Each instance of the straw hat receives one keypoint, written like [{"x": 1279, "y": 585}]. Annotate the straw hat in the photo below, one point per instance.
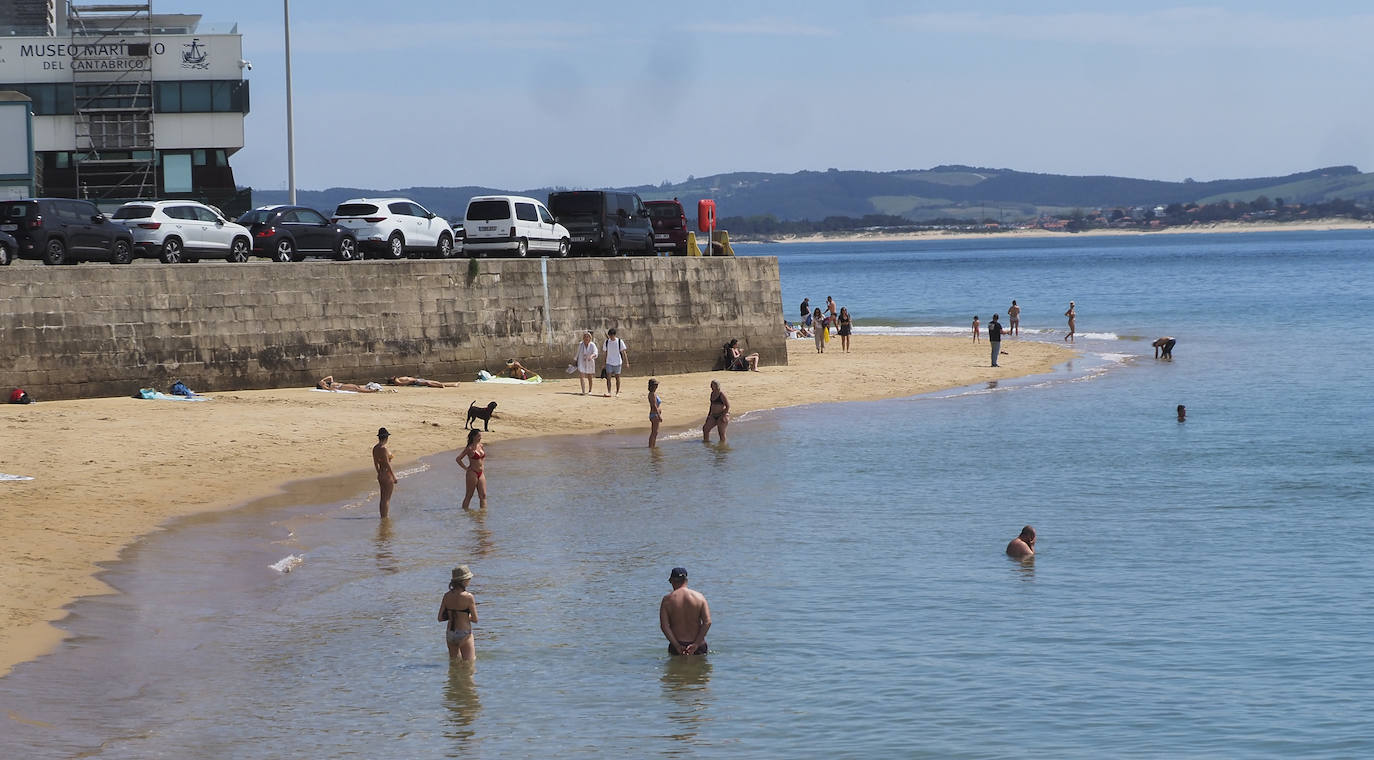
[{"x": 462, "y": 574}]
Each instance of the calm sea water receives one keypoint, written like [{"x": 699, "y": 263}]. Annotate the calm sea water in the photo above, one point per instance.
[{"x": 1202, "y": 589}]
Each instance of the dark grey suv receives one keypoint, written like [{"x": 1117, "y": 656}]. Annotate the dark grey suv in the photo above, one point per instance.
[
  {"x": 62, "y": 230},
  {"x": 605, "y": 222}
]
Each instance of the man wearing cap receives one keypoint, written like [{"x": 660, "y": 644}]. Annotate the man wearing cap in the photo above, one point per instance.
[
  {"x": 684, "y": 616},
  {"x": 386, "y": 477}
]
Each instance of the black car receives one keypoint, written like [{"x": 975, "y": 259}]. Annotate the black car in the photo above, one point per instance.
[
  {"x": 8, "y": 245},
  {"x": 62, "y": 230},
  {"x": 290, "y": 233},
  {"x": 604, "y": 222}
]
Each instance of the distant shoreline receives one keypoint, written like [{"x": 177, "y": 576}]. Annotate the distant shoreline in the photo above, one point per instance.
[{"x": 1316, "y": 225}]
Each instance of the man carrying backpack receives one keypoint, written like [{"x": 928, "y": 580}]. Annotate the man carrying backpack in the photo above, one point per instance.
[{"x": 617, "y": 358}]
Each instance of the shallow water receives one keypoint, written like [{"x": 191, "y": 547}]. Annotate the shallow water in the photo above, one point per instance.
[{"x": 1200, "y": 591}]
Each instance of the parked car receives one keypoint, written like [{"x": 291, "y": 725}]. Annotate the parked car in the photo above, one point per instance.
[
  {"x": 8, "y": 245},
  {"x": 62, "y": 230},
  {"x": 459, "y": 235},
  {"x": 290, "y": 233},
  {"x": 184, "y": 231},
  {"x": 670, "y": 225},
  {"x": 513, "y": 224},
  {"x": 604, "y": 221},
  {"x": 395, "y": 227}
]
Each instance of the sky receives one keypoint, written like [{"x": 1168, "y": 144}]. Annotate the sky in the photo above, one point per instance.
[{"x": 598, "y": 94}]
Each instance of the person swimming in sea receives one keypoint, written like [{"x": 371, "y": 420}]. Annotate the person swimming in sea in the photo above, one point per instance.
[
  {"x": 1023, "y": 546},
  {"x": 459, "y": 610}
]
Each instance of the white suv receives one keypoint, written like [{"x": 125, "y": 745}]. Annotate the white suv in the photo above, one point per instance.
[
  {"x": 395, "y": 227},
  {"x": 177, "y": 231}
]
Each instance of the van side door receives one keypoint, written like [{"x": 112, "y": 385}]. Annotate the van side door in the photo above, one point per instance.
[
  {"x": 527, "y": 225},
  {"x": 546, "y": 225}
]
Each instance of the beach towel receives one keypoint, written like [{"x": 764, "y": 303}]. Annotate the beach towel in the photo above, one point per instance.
[
  {"x": 5, "y": 477},
  {"x": 326, "y": 390},
  {"x": 484, "y": 376},
  {"x": 151, "y": 394}
]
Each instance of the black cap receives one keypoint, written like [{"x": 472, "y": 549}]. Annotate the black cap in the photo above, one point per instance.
[
  {"x": 678, "y": 572},
  {"x": 381, "y": 433}
]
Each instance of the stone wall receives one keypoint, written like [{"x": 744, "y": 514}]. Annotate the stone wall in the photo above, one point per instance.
[{"x": 103, "y": 330}]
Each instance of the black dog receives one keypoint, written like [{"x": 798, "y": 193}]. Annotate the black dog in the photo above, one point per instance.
[{"x": 482, "y": 413}]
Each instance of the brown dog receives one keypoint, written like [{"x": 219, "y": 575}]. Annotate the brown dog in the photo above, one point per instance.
[{"x": 482, "y": 413}]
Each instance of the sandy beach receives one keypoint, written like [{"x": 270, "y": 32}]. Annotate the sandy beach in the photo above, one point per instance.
[
  {"x": 107, "y": 471},
  {"x": 1318, "y": 225}
]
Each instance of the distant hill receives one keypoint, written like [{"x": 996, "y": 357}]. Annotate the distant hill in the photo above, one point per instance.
[{"x": 914, "y": 194}]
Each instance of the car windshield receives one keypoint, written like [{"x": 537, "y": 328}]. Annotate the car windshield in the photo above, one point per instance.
[
  {"x": 486, "y": 211},
  {"x": 133, "y": 212},
  {"x": 665, "y": 210},
  {"x": 14, "y": 210},
  {"x": 576, "y": 204},
  {"x": 355, "y": 209},
  {"x": 256, "y": 216}
]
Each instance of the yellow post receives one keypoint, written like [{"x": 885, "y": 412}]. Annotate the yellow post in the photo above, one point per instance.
[
  {"x": 721, "y": 238},
  {"x": 692, "y": 248}
]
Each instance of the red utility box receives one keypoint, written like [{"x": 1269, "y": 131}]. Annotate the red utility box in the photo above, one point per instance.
[{"x": 706, "y": 215}]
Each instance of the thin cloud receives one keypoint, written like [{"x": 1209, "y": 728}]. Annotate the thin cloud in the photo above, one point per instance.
[
  {"x": 762, "y": 27},
  {"x": 342, "y": 36}
]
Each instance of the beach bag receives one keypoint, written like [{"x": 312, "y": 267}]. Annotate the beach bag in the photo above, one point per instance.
[
  {"x": 179, "y": 389},
  {"x": 20, "y": 396}
]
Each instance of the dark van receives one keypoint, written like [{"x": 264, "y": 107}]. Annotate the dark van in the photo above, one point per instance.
[
  {"x": 604, "y": 222},
  {"x": 61, "y": 230},
  {"x": 670, "y": 226}
]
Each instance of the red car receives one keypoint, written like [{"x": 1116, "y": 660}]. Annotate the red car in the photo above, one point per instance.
[{"x": 670, "y": 226}]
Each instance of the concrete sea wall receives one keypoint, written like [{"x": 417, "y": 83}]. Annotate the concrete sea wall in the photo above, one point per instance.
[{"x": 103, "y": 330}]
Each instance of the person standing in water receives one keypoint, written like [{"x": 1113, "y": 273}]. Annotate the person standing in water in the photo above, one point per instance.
[
  {"x": 459, "y": 610},
  {"x": 1182, "y": 413},
  {"x": 1023, "y": 546},
  {"x": 386, "y": 477},
  {"x": 1014, "y": 318},
  {"x": 1072, "y": 314},
  {"x": 684, "y": 616},
  {"x": 655, "y": 412},
  {"x": 719, "y": 415},
  {"x": 1164, "y": 347},
  {"x": 476, "y": 469}
]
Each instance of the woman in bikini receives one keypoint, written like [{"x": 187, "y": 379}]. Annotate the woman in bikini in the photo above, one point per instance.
[
  {"x": 476, "y": 467},
  {"x": 655, "y": 412},
  {"x": 719, "y": 416},
  {"x": 1072, "y": 314},
  {"x": 459, "y": 610}
]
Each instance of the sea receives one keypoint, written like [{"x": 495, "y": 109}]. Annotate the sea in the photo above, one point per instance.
[{"x": 1201, "y": 589}]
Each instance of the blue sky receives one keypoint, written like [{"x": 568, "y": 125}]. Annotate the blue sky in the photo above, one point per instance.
[{"x": 590, "y": 94}]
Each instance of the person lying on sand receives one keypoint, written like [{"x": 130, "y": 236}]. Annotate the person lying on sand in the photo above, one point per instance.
[
  {"x": 420, "y": 382},
  {"x": 517, "y": 370},
  {"x": 327, "y": 383}
]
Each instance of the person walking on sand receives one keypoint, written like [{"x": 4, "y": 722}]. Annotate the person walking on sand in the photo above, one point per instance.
[
  {"x": 1164, "y": 348},
  {"x": 975, "y": 328},
  {"x": 655, "y": 412},
  {"x": 386, "y": 477},
  {"x": 995, "y": 337},
  {"x": 1072, "y": 314},
  {"x": 846, "y": 327},
  {"x": 684, "y": 616},
  {"x": 586, "y": 363},
  {"x": 458, "y": 609},
  {"x": 1023, "y": 546},
  {"x": 818, "y": 331},
  {"x": 1014, "y": 318},
  {"x": 476, "y": 469},
  {"x": 719, "y": 415},
  {"x": 617, "y": 358}
]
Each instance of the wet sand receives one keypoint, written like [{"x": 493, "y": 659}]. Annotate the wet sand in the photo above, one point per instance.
[{"x": 109, "y": 470}]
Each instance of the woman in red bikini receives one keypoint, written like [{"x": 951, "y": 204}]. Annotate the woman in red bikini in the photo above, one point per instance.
[{"x": 477, "y": 477}]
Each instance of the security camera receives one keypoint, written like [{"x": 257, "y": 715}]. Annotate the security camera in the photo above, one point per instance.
[{"x": 246, "y": 65}]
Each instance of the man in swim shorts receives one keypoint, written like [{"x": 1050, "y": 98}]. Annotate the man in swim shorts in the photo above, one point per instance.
[
  {"x": 1164, "y": 348},
  {"x": 684, "y": 616},
  {"x": 1023, "y": 546}
]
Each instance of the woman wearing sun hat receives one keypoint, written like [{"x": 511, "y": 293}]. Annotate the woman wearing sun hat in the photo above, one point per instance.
[{"x": 459, "y": 610}]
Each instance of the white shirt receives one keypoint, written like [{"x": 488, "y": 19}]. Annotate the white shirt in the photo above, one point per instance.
[
  {"x": 613, "y": 348},
  {"x": 586, "y": 358}
]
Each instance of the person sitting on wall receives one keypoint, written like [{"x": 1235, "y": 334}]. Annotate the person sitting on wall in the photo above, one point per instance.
[
  {"x": 738, "y": 360},
  {"x": 517, "y": 370},
  {"x": 420, "y": 382},
  {"x": 327, "y": 383}
]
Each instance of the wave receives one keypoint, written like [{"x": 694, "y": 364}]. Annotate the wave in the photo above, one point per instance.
[
  {"x": 288, "y": 563},
  {"x": 964, "y": 330}
]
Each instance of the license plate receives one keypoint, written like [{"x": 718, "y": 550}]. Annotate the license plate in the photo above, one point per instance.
[
  {"x": 9, "y": 227},
  {"x": 661, "y": 237},
  {"x": 581, "y": 239}
]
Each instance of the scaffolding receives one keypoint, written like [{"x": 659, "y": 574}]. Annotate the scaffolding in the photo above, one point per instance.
[{"x": 112, "y": 100}]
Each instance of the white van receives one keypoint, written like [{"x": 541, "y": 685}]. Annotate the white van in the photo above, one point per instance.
[{"x": 513, "y": 223}]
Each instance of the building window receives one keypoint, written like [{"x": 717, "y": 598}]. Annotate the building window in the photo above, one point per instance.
[
  {"x": 226, "y": 96},
  {"x": 176, "y": 172}
]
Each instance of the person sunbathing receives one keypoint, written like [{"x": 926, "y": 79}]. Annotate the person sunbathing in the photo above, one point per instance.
[
  {"x": 420, "y": 382},
  {"x": 517, "y": 370},
  {"x": 327, "y": 383}
]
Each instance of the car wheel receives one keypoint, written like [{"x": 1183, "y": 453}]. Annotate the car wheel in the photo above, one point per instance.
[
  {"x": 522, "y": 248},
  {"x": 285, "y": 251},
  {"x": 564, "y": 248},
  {"x": 6, "y": 255},
  {"x": 238, "y": 251},
  {"x": 348, "y": 249},
  {"x": 172, "y": 252},
  {"x": 445, "y": 247},
  {"x": 55, "y": 253},
  {"x": 396, "y": 246},
  {"x": 615, "y": 246},
  {"x": 122, "y": 253}
]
